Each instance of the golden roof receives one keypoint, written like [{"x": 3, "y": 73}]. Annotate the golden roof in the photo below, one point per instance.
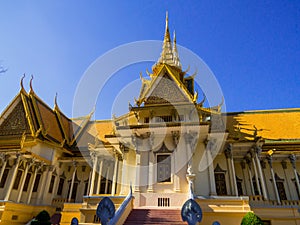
[
  {"x": 100, "y": 128},
  {"x": 29, "y": 118},
  {"x": 280, "y": 124}
]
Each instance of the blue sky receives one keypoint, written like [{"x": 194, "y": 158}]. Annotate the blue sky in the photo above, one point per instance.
[{"x": 252, "y": 48}]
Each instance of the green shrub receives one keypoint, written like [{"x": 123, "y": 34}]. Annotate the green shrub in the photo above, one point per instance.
[
  {"x": 251, "y": 219},
  {"x": 43, "y": 218}
]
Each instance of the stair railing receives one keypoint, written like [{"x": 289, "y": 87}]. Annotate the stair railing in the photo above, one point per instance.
[{"x": 122, "y": 208}]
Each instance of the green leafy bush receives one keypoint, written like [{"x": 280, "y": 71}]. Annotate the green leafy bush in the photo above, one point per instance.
[
  {"x": 43, "y": 218},
  {"x": 251, "y": 219}
]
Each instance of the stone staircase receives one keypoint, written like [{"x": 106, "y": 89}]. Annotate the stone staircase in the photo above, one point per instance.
[{"x": 154, "y": 216}]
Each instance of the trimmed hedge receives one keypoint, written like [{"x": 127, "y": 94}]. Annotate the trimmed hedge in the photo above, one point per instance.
[{"x": 251, "y": 219}]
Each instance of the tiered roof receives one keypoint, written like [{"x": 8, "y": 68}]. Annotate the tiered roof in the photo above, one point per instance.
[{"x": 28, "y": 118}]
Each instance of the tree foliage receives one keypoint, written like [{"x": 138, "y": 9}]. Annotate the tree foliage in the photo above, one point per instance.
[{"x": 251, "y": 219}]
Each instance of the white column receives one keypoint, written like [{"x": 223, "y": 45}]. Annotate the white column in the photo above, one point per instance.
[
  {"x": 12, "y": 180},
  {"x": 175, "y": 160},
  {"x": 48, "y": 180},
  {"x": 243, "y": 166},
  {"x": 262, "y": 180},
  {"x": 234, "y": 178},
  {"x": 54, "y": 190},
  {"x": 4, "y": 160},
  {"x": 211, "y": 172},
  {"x": 23, "y": 182},
  {"x": 176, "y": 170},
  {"x": 151, "y": 171},
  {"x": 255, "y": 172},
  {"x": 55, "y": 184},
  {"x": 114, "y": 181},
  {"x": 95, "y": 161},
  {"x": 32, "y": 185},
  {"x": 89, "y": 182},
  {"x": 230, "y": 163},
  {"x": 45, "y": 184},
  {"x": 99, "y": 177},
  {"x": 263, "y": 167},
  {"x": 250, "y": 177},
  {"x": 293, "y": 162},
  {"x": 269, "y": 157},
  {"x": 151, "y": 163},
  {"x": 137, "y": 172},
  {"x": 42, "y": 184},
  {"x": 124, "y": 181},
  {"x": 106, "y": 182},
  {"x": 72, "y": 182}
]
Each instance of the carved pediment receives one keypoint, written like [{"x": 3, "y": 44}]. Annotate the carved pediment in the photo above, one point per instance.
[
  {"x": 166, "y": 90},
  {"x": 15, "y": 123}
]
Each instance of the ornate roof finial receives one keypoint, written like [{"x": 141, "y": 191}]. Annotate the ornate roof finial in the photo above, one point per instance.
[
  {"x": 166, "y": 55},
  {"x": 21, "y": 82},
  {"x": 167, "y": 22},
  {"x": 30, "y": 84},
  {"x": 55, "y": 102},
  {"x": 175, "y": 52}
]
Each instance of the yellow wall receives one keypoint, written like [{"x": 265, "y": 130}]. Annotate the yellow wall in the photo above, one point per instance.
[{"x": 19, "y": 214}]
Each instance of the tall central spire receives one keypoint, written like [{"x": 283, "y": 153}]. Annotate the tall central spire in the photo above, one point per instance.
[
  {"x": 166, "y": 55},
  {"x": 167, "y": 32},
  {"x": 169, "y": 55}
]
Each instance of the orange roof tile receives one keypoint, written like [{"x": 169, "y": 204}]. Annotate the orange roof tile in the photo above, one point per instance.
[{"x": 268, "y": 124}]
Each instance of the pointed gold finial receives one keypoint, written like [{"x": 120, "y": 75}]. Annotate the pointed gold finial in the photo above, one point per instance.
[
  {"x": 167, "y": 20},
  {"x": 30, "y": 83},
  {"x": 166, "y": 55},
  {"x": 167, "y": 33},
  {"x": 21, "y": 82},
  {"x": 55, "y": 101},
  {"x": 176, "y": 60},
  {"x": 174, "y": 37}
]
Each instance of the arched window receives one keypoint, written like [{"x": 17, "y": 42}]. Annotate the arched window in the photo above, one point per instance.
[
  {"x": 4, "y": 178},
  {"x": 280, "y": 187},
  {"x": 163, "y": 168},
  {"x": 18, "y": 179},
  {"x": 255, "y": 185},
  {"x": 27, "y": 180},
  {"x": 239, "y": 184},
  {"x": 36, "y": 182},
  {"x": 61, "y": 183},
  {"x": 60, "y": 186},
  {"x": 51, "y": 184},
  {"x": 220, "y": 181}
]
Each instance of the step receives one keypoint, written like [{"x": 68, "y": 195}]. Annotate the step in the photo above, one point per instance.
[{"x": 154, "y": 216}]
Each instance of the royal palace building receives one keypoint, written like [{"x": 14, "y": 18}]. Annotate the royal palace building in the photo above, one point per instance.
[{"x": 168, "y": 148}]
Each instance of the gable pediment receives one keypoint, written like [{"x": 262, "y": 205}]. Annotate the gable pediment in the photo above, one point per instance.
[
  {"x": 166, "y": 88},
  {"x": 15, "y": 122}
]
